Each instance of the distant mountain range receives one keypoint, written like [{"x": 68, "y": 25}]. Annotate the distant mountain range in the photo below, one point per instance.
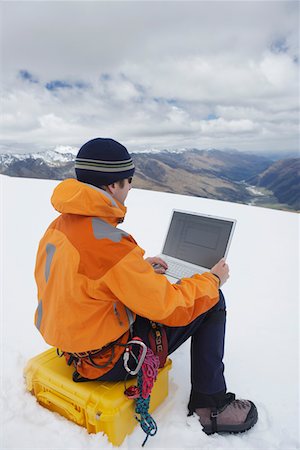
[
  {"x": 283, "y": 179},
  {"x": 224, "y": 175}
]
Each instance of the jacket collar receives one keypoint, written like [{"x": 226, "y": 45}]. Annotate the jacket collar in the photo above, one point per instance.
[{"x": 73, "y": 197}]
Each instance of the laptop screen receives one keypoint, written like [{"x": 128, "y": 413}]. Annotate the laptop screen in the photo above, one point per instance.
[{"x": 199, "y": 240}]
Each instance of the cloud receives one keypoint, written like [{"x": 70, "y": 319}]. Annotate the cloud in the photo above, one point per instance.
[
  {"x": 223, "y": 126},
  {"x": 152, "y": 74},
  {"x": 281, "y": 72}
]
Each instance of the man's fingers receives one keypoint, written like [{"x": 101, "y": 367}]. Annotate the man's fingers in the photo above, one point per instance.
[{"x": 161, "y": 262}]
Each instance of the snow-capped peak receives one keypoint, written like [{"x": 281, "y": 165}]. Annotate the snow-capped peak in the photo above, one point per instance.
[{"x": 63, "y": 149}]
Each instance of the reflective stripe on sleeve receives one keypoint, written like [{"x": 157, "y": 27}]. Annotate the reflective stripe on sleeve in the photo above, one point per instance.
[
  {"x": 50, "y": 250},
  {"x": 39, "y": 315}
]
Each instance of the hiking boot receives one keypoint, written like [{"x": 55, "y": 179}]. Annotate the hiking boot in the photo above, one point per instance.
[{"x": 235, "y": 417}]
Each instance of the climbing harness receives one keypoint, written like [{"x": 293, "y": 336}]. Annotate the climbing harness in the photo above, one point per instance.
[
  {"x": 92, "y": 364},
  {"x": 146, "y": 370},
  {"x": 147, "y": 363}
]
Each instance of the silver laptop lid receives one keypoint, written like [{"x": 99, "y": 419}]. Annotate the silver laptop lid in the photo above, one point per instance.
[{"x": 197, "y": 238}]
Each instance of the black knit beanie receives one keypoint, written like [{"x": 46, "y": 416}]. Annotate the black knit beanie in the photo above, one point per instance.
[{"x": 103, "y": 161}]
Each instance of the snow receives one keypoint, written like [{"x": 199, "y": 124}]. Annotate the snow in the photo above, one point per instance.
[
  {"x": 262, "y": 344},
  {"x": 54, "y": 157},
  {"x": 60, "y": 154},
  {"x": 66, "y": 149}
]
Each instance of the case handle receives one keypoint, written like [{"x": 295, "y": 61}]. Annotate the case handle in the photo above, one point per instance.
[{"x": 58, "y": 404}]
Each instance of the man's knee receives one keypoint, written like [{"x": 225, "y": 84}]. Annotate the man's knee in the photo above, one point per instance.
[{"x": 218, "y": 312}]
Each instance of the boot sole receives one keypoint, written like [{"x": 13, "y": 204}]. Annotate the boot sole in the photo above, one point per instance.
[{"x": 234, "y": 429}]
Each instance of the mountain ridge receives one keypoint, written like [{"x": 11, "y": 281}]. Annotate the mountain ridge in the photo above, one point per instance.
[{"x": 210, "y": 173}]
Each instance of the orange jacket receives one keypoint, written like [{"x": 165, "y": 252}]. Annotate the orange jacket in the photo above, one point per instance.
[{"x": 92, "y": 278}]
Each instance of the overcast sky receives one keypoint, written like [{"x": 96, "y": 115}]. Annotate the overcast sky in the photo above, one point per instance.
[{"x": 153, "y": 75}]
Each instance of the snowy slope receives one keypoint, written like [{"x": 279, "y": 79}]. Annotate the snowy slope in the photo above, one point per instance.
[{"x": 262, "y": 347}]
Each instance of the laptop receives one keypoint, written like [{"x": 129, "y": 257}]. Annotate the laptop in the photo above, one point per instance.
[{"x": 195, "y": 243}]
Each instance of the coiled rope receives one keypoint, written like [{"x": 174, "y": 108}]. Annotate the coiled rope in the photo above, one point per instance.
[{"x": 146, "y": 377}]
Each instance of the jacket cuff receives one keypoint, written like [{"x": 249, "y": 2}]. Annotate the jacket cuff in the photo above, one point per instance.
[{"x": 217, "y": 278}]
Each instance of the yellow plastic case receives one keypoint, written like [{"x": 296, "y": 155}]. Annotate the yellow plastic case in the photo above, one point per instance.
[{"x": 97, "y": 406}]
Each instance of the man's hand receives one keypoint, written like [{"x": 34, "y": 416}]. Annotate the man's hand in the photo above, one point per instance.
[
  {"x": 158, "y": 264},
  {"x": 221, "y": 269}
]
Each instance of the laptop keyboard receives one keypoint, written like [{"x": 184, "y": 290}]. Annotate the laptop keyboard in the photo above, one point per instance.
[{"x": 178, "y": 270}]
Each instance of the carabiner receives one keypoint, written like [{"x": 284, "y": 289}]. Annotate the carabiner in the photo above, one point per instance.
[{"x": 141, "y": 360}]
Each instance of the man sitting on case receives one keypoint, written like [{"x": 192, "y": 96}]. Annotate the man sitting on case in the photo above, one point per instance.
[{"x": 96, "y": 290}]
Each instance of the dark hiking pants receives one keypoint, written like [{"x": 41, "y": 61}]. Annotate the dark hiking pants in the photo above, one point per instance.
[{"x": 207, "y": 334}]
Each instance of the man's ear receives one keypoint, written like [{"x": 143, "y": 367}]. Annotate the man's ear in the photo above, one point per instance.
[{"x": 111, "y": 187}]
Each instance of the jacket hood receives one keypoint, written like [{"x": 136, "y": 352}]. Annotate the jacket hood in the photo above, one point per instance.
[{"x": 73, "y": 197}]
